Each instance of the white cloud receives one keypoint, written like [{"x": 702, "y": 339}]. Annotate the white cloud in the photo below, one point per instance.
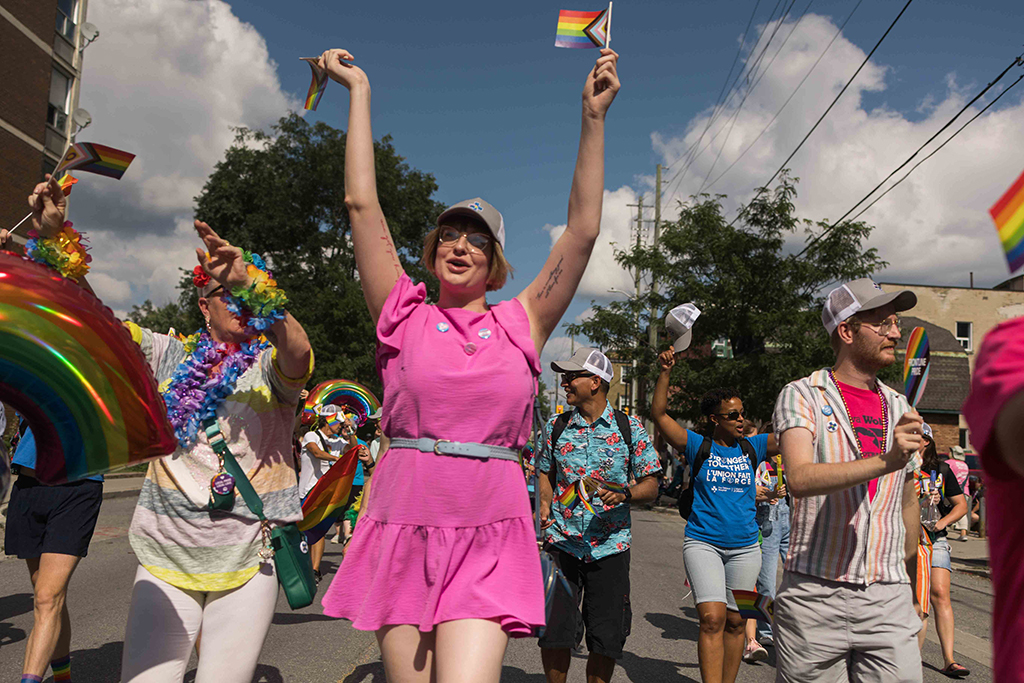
[
  {"x": 167, "y": 80},
  {"x": 934, "y": 227}
]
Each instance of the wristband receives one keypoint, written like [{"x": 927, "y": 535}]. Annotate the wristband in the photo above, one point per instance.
[{"x": 628, "y": 494}]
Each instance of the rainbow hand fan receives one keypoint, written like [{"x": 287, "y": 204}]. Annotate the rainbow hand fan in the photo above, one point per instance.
[
  {"x": 70, "y": 368},
  {"x": 915, "y": 365},
  {"x": 754, "y": 606},
  {"x": 341, "y": 392}
]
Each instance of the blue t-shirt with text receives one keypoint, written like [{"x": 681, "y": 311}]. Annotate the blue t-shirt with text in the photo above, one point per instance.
[
  {"x": 723, "y": 495},
  {"x": 25, "y": 453}
]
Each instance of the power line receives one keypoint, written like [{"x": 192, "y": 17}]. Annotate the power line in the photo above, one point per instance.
[
  {"x": 822, "y": 117},
  {"x": 1019, "y": 79},
  {"x": 1018, "y": 61},
  {"x": 791, "y": 96}
]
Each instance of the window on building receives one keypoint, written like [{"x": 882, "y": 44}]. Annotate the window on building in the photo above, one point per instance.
[
  {"x": 60, "y": 94},
  {"x": 963, "y": 438},
  {"x": 965, "y": 335},
  {"x": 67, "y": 17}
]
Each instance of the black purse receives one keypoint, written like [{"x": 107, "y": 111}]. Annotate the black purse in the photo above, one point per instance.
[{"x": 551, "y": 575}]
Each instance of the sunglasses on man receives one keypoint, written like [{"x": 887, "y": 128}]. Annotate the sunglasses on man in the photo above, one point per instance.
[{"x": 570, "y": 377}]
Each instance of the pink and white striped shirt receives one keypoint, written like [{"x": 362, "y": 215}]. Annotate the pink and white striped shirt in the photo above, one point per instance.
[{"x": 844, "y": 536}]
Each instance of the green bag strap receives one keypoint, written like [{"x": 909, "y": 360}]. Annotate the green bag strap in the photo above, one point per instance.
[{"x": 231, "y": 466}]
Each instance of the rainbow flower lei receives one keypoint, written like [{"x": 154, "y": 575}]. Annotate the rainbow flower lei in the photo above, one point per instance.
[
  {"x": 262, "y": 299},
  {"x": 64, "y": 252},
  {"x": 195, "y": 391}
]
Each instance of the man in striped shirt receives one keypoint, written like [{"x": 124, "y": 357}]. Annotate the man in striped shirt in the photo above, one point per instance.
[{"x": 844, "y": 610}]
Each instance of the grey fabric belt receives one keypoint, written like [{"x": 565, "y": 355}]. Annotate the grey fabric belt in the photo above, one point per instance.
[{"x": 466, "y": 450}]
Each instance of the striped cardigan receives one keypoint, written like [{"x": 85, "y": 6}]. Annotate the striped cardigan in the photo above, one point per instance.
[{"x": 843, "y": 536}]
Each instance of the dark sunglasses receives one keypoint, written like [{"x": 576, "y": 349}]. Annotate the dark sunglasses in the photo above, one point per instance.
[
  {"x": 477, "y": 240},
  {"x": 570, "y": 377},
  {"x": 733, "y": 416}
]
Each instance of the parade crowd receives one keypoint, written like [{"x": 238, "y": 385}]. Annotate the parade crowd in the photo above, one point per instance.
[{"x": 445, "y": 555}]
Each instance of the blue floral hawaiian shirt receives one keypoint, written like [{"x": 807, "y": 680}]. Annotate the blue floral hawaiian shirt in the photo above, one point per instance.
[{"x": 596, "y": 450}]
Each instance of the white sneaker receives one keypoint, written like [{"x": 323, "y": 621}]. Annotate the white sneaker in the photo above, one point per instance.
[
  {"x": 767, "y": 641},
  {"x": 754, "y": 652}
]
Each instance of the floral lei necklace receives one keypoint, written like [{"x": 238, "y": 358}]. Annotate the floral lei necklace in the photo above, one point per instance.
[{"x": 196, "y": 389}]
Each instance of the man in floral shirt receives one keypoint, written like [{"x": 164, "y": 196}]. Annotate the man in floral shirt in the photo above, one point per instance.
[{"x": 587, "y": 470}]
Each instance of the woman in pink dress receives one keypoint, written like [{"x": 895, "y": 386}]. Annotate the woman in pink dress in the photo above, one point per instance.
[{"x": 444, "y": 563}]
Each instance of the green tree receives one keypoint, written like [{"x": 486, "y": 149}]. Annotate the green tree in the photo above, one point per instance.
[
  {"x": 281, "y": 193},
  {"x": 765, "y": 302}
]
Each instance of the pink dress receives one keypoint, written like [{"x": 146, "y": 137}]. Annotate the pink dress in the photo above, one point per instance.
[{"x": 447, "y": 537}]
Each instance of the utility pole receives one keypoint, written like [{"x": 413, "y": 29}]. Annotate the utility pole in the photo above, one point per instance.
[{"x": 633, "y": 388}]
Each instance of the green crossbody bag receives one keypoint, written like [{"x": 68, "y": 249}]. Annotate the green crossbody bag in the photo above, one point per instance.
[{"x": 286, "y": 544}]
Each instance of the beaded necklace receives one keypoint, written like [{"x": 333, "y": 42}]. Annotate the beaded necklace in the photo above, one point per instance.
[{"x": 885, "y": 412}]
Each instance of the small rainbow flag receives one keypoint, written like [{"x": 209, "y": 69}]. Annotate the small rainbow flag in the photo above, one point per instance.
[
  {"x": 915, "y": 365},
  {"x": 597, "y": 483},
  {"x": 754, "y": 606},
  {"x": 66, "y": 181},
  {"x": 584, "y": 29},
  {"x": 325, "y": 502},
  {"x": 574, "y": 494},
  {"x": 93, "y": 158},
  {"x": 318, "y": 85},
  {"x": 1008, "y": 214}
]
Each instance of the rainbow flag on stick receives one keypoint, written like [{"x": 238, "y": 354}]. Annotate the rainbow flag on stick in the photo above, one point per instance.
[
  {"x": 754, "y": 606},
  {"x": 93, "y": 158},
  {"x": 574, "y": 494},
  {"x": 325, "y": 502},
  {"x": 1008, "y": 214},
  {"x": 915, "y": 365},
  {"x": 318, "y": 85},
  {"x": 584, "y": 29}
]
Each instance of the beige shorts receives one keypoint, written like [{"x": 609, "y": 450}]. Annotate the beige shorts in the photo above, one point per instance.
[{"x": 836, "y": 632}]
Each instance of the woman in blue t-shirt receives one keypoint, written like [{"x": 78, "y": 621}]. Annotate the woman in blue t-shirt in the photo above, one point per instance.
[{"x": 720, "y": 550}]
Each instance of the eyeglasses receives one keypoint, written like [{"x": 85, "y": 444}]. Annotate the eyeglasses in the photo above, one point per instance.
[
  {"x": 570, "y": 377},
  {"x": 477, "y": 240},
  {"x": 883, "y": 328},
  {"x": 733, "y": 416}
]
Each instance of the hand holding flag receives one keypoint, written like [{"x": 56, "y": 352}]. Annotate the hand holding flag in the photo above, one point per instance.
[{"x": 317, "y": 86}]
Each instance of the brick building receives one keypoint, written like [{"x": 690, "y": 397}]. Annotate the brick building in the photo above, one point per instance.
[{"x": 40, "y": 68}]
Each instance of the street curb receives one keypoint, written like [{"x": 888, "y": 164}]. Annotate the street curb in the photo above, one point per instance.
[{"x": 121, "y": 494}]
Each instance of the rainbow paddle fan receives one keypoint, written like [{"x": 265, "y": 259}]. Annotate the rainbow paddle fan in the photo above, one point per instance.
[
  {"x": 341, "y": 392},
  {"x": 71, "y": 369},
  {"x": 915, "y": 365}
]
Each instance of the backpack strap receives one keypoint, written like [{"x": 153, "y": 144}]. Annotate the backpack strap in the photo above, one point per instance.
[
  {"x": 748, "y": 450},
  {"x": 703, "y": 453},
  {"x": 561, "y": 422},
  {"x": 622, "y": 421}
]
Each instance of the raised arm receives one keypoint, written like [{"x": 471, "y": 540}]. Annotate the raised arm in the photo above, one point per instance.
[
  {"x": 670, "y": 430},
  {"x": 546, "y": 298},
  {"x": 376, "y": 256},
  {"x": 809, "y": 478}
]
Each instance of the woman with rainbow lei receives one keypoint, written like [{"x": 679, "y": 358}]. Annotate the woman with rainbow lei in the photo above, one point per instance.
[{"x": 204, "y": 556}]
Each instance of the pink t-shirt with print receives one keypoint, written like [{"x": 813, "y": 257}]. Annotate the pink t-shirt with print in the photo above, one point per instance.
[
  {"x": 998, "y": 377},
  {"x": 868, "y": 423}
]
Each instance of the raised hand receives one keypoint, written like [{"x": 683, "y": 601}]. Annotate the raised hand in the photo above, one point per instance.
[
  {"x": 667, "y": 360},
  {"x": 225, "y": 263},
  {"x": 337, "y": 63},
  {"x": 48, "y": 205},
  {"x": 602, "y": 84}
]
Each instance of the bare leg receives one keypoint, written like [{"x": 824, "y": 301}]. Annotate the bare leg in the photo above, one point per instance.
[
  {"x": 734, "y": 643},
  {"x": 556, "y": 664},
  {"x": 599, "y": 668},
  {"x": 923, "y": 632},
  {"x": 469, "y": 651},
  {"x": 317, "y": 552},
  {"x": 51, "y": 630},
  {"x": 943, "y": 612},
  {"x": 408, "y": 654},
  {"x": 711, "y": 641}
]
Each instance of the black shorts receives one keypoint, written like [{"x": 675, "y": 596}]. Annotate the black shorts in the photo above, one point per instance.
[
  {"x": 51, "y": 519},
  {"x": 606, "y": 615}
]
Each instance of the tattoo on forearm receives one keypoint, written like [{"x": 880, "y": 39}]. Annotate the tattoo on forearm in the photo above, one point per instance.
[
  {"x": 553, "y": 276},
  {"x": 389, "y": 247}
]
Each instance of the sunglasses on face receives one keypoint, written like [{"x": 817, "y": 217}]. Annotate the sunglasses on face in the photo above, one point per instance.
[
  {"x": 570, "y": 377},
  {"x": 477, "y": 240},
  {"x": 733, "y": 416}
]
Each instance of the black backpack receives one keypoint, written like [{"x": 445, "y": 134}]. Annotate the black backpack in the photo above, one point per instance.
[
  {"x": 621, "y": 420},
  {"x": 686, "y": 498}
]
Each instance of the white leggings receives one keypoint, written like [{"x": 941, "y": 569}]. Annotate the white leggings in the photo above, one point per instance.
[{"x": 163, "y": 623}]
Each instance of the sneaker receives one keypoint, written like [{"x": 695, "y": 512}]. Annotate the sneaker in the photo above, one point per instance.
[
  {"x": 754, "y": 653},
  {"x": 336, "y": 538},
  {"x": 962, "y": 538},
  {"x": 767, "y": 641},
  {"x": 319, "y": 577}
]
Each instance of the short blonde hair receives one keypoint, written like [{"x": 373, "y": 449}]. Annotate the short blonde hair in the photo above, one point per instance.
[{"x": 499, "y": 271}]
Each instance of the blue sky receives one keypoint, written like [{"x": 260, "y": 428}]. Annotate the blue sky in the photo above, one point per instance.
[{"x": 476, "y": 94}]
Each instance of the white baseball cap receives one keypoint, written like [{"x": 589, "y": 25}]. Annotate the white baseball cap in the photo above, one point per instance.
[
  {"x": 861, "y": 295},
  {"x": 586, "y": 360},
  {"x": 679, "y": 321},
  {"x": 325, "y": 410}
]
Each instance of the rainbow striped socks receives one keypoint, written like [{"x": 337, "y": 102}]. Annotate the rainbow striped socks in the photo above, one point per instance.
[
  {"x": 29, "y": 678},
  {"x": 61, "y": 669}
]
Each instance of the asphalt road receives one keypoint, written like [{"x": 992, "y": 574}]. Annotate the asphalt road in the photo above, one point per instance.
[{"x": 305, "y": 646}]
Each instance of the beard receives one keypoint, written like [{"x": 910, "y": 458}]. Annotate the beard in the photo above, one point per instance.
[{"x": 869, "y": 354}]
